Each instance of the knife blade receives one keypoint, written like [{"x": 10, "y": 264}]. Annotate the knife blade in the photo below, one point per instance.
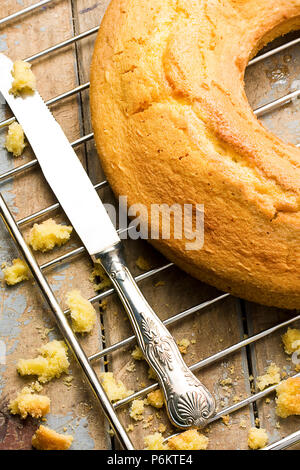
[
  {"x": 61, "y": 166},
  {"x": 188, "y": 402}
]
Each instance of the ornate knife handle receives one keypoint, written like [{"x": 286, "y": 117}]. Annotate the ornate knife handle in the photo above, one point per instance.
[{"x": 188, "y": 402}]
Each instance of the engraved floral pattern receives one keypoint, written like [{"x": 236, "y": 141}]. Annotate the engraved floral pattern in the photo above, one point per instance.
[
  {"x": 192, "y": 408},
  {"x": 187, "y": 400},
  {"x": 160, "y": 346}
]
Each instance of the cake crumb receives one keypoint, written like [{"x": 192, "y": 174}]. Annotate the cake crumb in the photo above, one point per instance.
[
  {"x": 288, "y": 398},
  {"x": 68, "y": 381},
  {"x": 147, "y": 422},
  {"x": 291, "y": 340},
  {"x": 51, "y": 363},
  {"x": 137, "y": 354},
  {"x": 151, "y": 374},
  {"x": 16, "y": 273},
  {"x": 183, "y": 345},
  {"x": 188, "y": 440},
  {"x": 15, "y": 139},
  {"x": 155, "y": 399},
  {"x": 130, "y": 428},
  {"x": 270, "y": 378},
  {"x": 131, "y": 367},
  {"x": 143, "y": 264},
  {"x": 162, "y": 428},
  {"x": 243, "y": 424},
  {"x": 98, "y": 272},
  {"x": 103, "y": 304},
  {"x": 47, "y": 235},
  {"x": 83, "y": 315},
  {"x": 160, "y": 284},
  {"x": 115, "y": 389},
  {"x": 137, "y": 410},
  {"x": 226, "y": 382},
  {"x": 28, "y": 403},
  {"x": 226, "y": 420},
  {"x": 257, "y": 438},
  {"x": 155, "y": 442},
  {"x": 24, "y": 79},
  {"x": 36, "y": 387},
  {"x": 47, "y": 439}
]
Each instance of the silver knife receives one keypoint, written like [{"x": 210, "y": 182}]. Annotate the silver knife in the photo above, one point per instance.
[{"x": 188, "y": 402}]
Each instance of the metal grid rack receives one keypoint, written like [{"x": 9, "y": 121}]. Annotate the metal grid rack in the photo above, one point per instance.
[{"x": 60, "y": 316}]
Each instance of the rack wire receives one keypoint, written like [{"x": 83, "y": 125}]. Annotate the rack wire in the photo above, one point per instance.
[{"x": 85, "y": 362}]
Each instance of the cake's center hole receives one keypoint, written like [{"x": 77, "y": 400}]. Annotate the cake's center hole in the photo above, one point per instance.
[{"x": 273, "y": 78}]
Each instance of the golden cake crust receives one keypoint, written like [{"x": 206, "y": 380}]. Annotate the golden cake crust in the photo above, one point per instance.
[
  {"x": 47, "y": 439},
  {"x": 173, "y": 124}
]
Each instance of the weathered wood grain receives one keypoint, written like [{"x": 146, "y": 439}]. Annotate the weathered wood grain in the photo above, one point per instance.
[
  {"x": 265, "y": 82},
  {"x": 210, "y": 330},
  {"x": 72, "y": 407}
]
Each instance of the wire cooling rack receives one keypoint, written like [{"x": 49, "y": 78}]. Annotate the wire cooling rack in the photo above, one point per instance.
[{"x": 86, "y": 362}]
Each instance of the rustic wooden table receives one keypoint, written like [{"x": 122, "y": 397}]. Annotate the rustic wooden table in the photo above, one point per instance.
[{"x": 25, "y": 320}]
